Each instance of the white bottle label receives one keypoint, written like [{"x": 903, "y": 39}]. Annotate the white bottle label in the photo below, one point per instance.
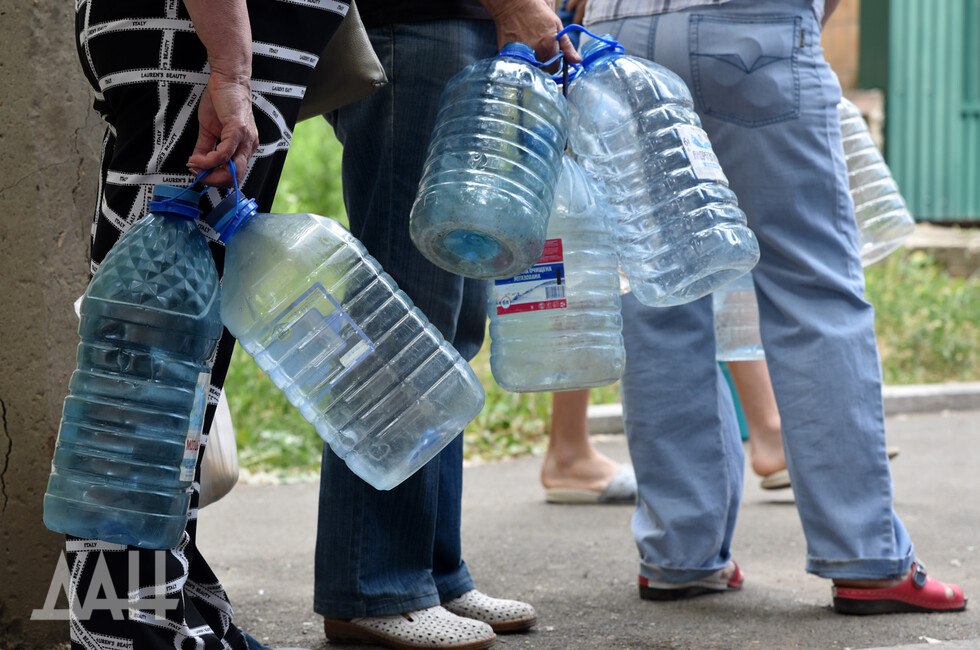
[
  {"x": 697, "y": 146},
  {"x": 540, "y": 288},
  {"x": 192, "y": 444}
]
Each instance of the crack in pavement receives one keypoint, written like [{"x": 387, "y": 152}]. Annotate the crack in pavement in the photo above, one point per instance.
[{"x": 6, "y": 459}]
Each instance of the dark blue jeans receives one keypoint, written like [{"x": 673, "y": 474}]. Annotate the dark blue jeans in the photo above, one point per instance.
[{"x": 399, "y": 550}]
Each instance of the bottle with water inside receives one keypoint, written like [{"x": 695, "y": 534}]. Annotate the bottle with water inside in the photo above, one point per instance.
[
  {"x": 494, "y": 157},
  {"x": 883, "y": 219},
  {"x": 633, "y": 127},
  {"x": 736, "y": 310},
  {"x": 557, "y": 325},
  {"x": 347, "y": 347},
  {"x": 131, "y": 425}
]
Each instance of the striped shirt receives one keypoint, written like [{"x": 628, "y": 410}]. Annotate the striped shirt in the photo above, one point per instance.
[{"x": 599, "y": 10}]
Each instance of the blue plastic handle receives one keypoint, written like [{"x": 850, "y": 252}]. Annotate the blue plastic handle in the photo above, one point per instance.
[{"x": 612, "y": 45}]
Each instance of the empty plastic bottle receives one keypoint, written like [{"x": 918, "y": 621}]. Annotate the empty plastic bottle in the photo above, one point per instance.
[
  {"x": 347, "y": 347},
  {"x": 558, "y": 326},
  {"x": 494, "y": 158},
  {"x": 632, "y": 126},
  {"x": 131, "y": 425},
  {"x": 883, "y": 219},
  {"x": 736, "y": 310}
]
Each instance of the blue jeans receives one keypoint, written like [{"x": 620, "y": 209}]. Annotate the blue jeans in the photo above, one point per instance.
[
  {"x": 767, "y": 99},
  {"x": 399, "y": 550}
]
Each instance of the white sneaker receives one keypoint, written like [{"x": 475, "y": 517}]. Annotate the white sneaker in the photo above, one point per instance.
[
  {"x": 502, "y": 615},
  {"x": 430, "y": 628}
]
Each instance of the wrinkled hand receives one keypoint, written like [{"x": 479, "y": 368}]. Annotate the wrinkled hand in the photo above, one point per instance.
[
  {"x": 533, "y": 22},
  {"x": 227, "y": 129}
]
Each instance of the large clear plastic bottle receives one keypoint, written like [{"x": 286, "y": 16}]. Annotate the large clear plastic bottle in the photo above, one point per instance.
[
  {"x": 558, "y": 326},
  {"x": 494, "y": 158},
  {"x": 736, "y": 310},
  {"x": 131, "y": 425},
  {"x": 633, "y": 127},
  {"x": 347, "y": 347},
  {"x": 883, "y": 219}
]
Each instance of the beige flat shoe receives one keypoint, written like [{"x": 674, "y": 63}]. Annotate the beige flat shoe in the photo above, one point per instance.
[
  {"x": 502, "y": 615},
  {"x": 426, "y": 629},
  {"x": 621, "y": 488}
]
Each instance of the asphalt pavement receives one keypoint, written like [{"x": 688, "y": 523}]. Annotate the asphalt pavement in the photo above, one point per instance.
[{"x": 577, "y": 564}]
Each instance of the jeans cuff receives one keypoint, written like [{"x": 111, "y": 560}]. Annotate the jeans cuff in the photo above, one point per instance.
[
  {"x": 679, "y": 575},
  {"x": 860, "y": 569},
  {"x": 452, "y": 589},
  {"x": 376, "y": 607}
]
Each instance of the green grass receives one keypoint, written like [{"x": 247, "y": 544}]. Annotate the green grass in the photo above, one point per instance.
[
  {"x": 926, "y": 320},
  {"x": 311, "y": 178},
  {"x": 927, "y": 329}
]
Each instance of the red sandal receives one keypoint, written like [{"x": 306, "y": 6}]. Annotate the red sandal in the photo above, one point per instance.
[{"x": 917, "y": 593}]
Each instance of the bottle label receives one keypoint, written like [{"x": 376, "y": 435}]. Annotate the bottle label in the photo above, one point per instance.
[
  {"x": 540, "y": 288},
  {"x": 697, "y": 146},
  {"x": 192, "y": 444},
  {"x": 317, "y": 339}
]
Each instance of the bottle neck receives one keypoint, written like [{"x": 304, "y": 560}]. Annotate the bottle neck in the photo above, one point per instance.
[{"x": 174, "y": 208}]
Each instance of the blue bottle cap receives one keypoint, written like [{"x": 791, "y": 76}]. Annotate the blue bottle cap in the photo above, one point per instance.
[
  {"x": 175, "y": 201},
  {"x": 599, "y": 47},
  {"x": 229, "y": 215},
  {"x": 519, "y": 51}
]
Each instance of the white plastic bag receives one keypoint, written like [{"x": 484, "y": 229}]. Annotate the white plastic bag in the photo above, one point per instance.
[{"x": 219, "y": 469}]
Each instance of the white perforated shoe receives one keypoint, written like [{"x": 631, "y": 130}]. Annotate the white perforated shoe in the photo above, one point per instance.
[
  {"x": 502, "y": 615},
  {"x": 425, "y": 629}
]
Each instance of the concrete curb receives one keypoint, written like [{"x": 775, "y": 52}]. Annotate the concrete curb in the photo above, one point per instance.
[{"x": 899, "y": 400}]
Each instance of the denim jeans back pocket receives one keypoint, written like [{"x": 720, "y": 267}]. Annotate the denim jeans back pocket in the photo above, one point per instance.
[{"x": 745, "y": 69}]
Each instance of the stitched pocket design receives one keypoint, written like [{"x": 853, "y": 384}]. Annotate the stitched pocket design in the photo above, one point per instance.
[{"x": 745, "y": 68}]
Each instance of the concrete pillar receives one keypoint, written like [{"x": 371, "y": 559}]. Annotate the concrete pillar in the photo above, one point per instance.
[{"x": 49, "y": 140}]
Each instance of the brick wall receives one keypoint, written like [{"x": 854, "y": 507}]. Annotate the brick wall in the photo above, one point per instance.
[{"x": 840, "y": 41}]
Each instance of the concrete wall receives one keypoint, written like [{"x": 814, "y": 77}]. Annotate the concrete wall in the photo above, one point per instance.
[{"x": 49, "y": 141}]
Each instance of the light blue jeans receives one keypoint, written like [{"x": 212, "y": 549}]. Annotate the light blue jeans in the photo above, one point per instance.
[
  {"x": 398, "y": 551},
  {"x": 767, "y": 99}
]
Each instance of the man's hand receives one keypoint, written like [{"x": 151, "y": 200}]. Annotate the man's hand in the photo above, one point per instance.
[{"x": 532, "y": 22}]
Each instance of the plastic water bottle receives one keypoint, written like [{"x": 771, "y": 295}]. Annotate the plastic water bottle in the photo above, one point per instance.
[
  {"x": 883, "y": 219},
  {"x": 558, "y": 326},
  {"x": 736, "y": 310},
  {"x": 349, "y": 349},
  {"x": 680, "y": 231},
  {"x": 494, "y": 158},
  {"x": 131, "y": 425}
]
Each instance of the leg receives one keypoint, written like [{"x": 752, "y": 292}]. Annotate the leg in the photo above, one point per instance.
[
  {"x": 684, "y": 441},
  {"x": 383, "y": 553},
  {"x": 152, "y": 130},
  {"x": 680, "y": 421},
  {"x": 573, "y": 470},
  {"x": 777, "y": 134},
  {"x": 762, "y": 415},
  {"x": 376, "y": 550}
]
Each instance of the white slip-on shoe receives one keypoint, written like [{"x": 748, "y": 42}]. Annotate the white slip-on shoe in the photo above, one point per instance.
[
  {"x": 425, "y": 629},
  {"x": 500, "y": 614}
]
